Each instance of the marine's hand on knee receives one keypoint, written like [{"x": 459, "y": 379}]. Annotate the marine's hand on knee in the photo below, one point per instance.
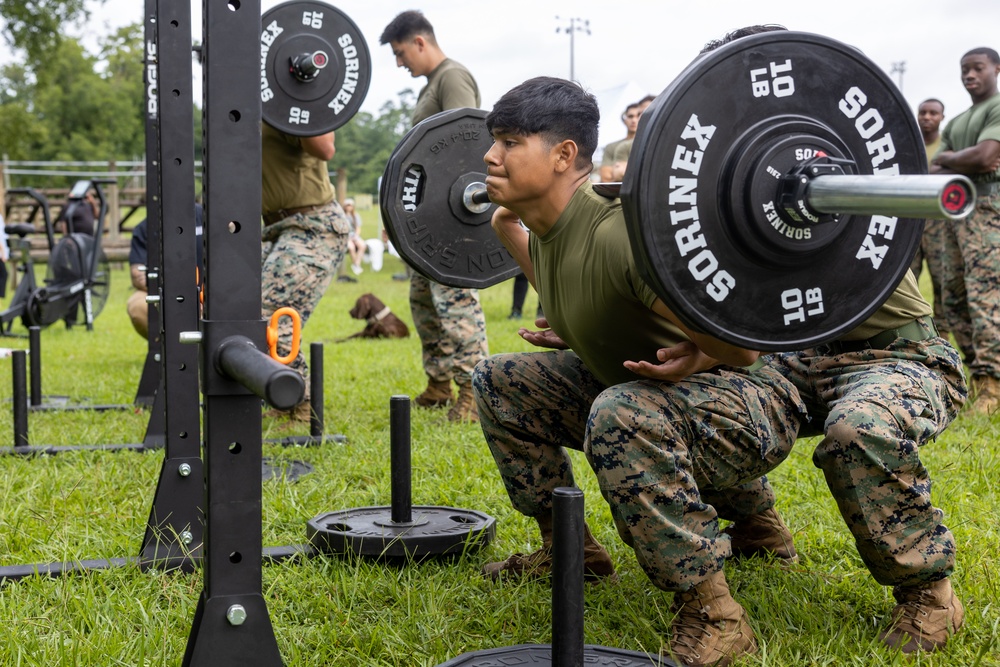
[
  {"x": 545, "y": 338},
  {"x": 676, "y": 363}
]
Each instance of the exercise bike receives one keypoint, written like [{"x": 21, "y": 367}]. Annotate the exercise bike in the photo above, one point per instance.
[{"x": 78, "y": 273}]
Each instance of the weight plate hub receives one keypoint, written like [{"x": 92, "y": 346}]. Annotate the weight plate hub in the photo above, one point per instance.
[
  {"x": 315, "y": 68},
  {"x": 541, "y": 654},
  {"x": 701, "y": 193},
  {"x": 423, "y": 201},
  {"x": 432, "y": 531},
  {"x": 749, "y": 189}
]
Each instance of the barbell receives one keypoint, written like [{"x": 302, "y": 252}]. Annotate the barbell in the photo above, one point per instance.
[{"x": 774, "y": 198}]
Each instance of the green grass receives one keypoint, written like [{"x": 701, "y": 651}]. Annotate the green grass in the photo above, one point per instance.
[{"x": 827, "y": 610}]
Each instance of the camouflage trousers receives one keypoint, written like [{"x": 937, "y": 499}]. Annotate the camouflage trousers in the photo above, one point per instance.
[
  {"x": 299, "y": 256},
  {"x": 875, "y": 409},
  {"x": 970, "y": 288},
  {"x": 451, "y": 326},
  {"x": 932, "y": 250},
  {"x": 662, "y": 452}
]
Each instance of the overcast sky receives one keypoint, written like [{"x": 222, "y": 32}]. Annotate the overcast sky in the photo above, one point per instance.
[{"x": 648, "y": 42}]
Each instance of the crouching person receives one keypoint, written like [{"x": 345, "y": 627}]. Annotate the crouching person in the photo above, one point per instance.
[{"x": 669, "y": 418}]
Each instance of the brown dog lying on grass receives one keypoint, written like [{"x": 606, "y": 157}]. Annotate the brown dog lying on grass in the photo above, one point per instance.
[{"x": 381, "y": 322}]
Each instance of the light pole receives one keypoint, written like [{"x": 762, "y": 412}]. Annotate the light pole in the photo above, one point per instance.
[
  {"x": 899, "y": 67},
  {"x": 575, "y": 25}
]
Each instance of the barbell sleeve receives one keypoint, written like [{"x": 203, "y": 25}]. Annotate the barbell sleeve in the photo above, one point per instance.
[
  {"x": 480, "y": 196},
  {"x": 933, "y": 196},
  {"x": 239, "y": 359}
]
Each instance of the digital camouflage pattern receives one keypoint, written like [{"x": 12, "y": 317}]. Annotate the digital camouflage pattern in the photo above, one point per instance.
[
  {"x": 971, "y": 284},
  {"x": 661, "y": 450},
  {"x": 451, "y": 326},
  {"x": 876, "y": 409},
  {"x": 299, "y": 257},
  {"x": 932, "y": 250}
]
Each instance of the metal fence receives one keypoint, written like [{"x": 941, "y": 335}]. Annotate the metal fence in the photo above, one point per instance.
[{"x": 55, "y": 174}]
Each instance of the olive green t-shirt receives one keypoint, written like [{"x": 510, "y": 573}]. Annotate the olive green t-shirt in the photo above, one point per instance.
[
  {"x": 931, "y": 149},
  {"x": 449, "y": 86},
  {"x": 291, "y": 177},
  {"x": 902, "y": 307},
  {"x": 607, "y": 158},
  {"x": 591, "y": 290},
  {"x": 622, "y": 151},
  {"x": 978, "y": 123}
]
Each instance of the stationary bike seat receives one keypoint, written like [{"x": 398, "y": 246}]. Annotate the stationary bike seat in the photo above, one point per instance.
[{"x": 21, "y": 229}]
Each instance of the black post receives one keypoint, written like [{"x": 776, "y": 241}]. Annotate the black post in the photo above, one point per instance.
[
  {"x": 174, "y": 529},
  {"x": 399, "y": 459},
  {"x": 231, "y": 623},
  {"x": 35, "y": 348},
  {"x": 316, "y": 391},
  {"x": 20, "y": 399},
  {"x": 150, "y": 380},
  {"x": 567, "y": 577}
]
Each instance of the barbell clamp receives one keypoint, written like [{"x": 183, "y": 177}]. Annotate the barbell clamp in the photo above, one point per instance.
[{"x": 793, "y": 189}]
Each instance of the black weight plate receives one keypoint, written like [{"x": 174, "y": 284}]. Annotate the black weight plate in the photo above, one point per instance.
[
  {"x": 289, "y": 471},
  {"x": 421, "y": 206},
  {"x": 541, "y": 654},
  {"x": 432, "y": 531},
  {"x": 330, "y": 99},
  {"x": 703, "y": 176}
]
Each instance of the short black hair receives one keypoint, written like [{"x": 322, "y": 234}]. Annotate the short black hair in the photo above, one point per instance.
[
  {"x": 634, "y": 105},
  {"x": 741, "y": 32},
  {"x": 647, "y": 98},
  {"x": 406, "y": 26},
  {"x": 934, "y": 100},
  {"x": 554, "y": 108},
  {"x": 984, "y": 51}
]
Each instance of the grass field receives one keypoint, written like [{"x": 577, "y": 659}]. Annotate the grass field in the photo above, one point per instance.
[{"x": 827, "y": 610}]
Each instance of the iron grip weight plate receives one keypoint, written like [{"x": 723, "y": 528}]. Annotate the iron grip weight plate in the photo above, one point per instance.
[
  {"x": 331, "y": 98},
  {"x": 699, "y": 194},
  {"x": 422, "y": 208}
]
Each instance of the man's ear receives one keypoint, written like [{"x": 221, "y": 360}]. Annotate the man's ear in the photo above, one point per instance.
[
  {"x": 420, "y": 42},
  {"x": 565, "y": 152}
]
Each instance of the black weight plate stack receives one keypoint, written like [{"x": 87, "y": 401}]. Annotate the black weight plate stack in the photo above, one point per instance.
[
  {"x": 431, "y": 531},
  {"x": 311, "y": 105},
  {"x": 700, "y": 195},
  {"x": 421, "y": 202}
]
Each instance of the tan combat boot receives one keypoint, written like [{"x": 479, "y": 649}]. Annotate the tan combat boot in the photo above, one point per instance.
[
  {"x": 924, "y": 618},
  {"x": 985, "y": 392},
  {"x": 710, "y": 627},
  {"x": 763, "y": 534},
  {"x": 465, "y": 405},
  {"x": 597, "y": 564},
  {"x": 437, "y": 395}
]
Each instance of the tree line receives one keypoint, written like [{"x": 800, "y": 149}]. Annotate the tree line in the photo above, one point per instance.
[{"x": 61, "y": 102}]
